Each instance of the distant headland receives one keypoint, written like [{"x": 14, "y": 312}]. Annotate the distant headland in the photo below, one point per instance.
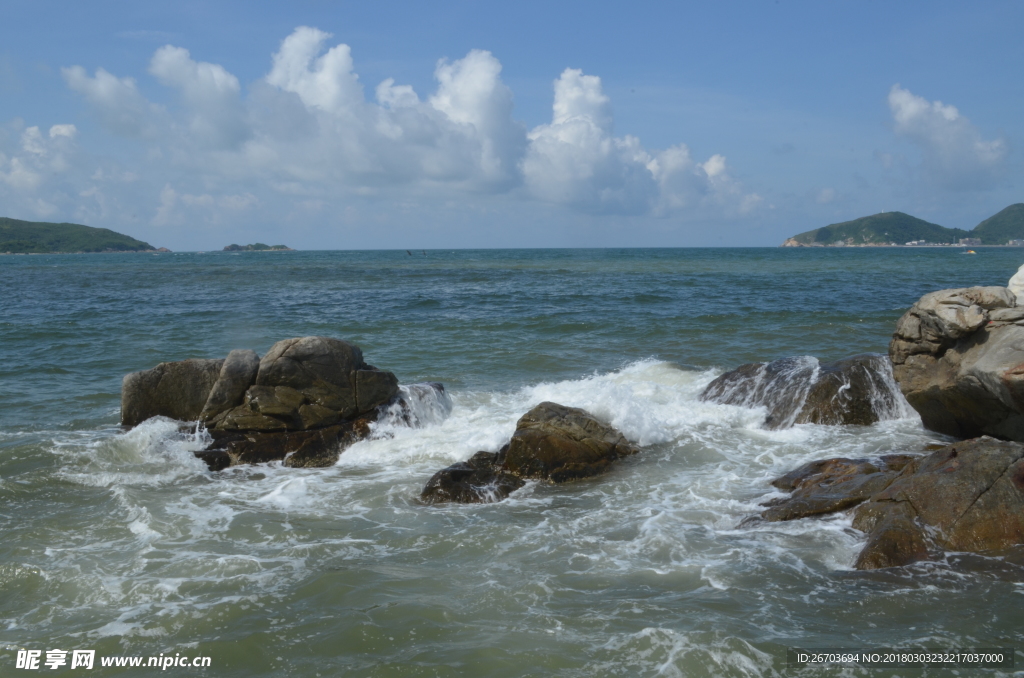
[
  {"x": 896, "y": 229},
  {"x": 258, "y": 247},
  {"x": 40, "y": 237}
]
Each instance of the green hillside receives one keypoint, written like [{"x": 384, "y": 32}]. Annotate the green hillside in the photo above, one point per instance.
[
  {"x": 881, "y": 229},
  {"x": 1002, "y": 227},
  {"x": 37, "y": 237}
]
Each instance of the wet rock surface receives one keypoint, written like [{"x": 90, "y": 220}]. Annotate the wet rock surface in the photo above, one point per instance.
[
  {"x": 968, "y": 497},
  {"x": 801, "y": 390},
  {"x": 305, "y": 401},
  {"x": 958, "y": 356},
  {"x": 831, "y": 485},
  {"x": 552, "y": 442},
  {"x": 478, "y": 480}
]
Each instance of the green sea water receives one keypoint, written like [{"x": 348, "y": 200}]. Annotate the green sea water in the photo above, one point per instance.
[{"x": 123, "y": 543}]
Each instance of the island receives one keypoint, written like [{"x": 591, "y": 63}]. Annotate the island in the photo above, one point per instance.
[
  {"x": 258, "y": 247},
  {"x": 896, "y": 229},
  {"x": 39, "y": 237}
]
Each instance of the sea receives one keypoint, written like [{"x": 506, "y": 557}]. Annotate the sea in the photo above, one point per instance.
[{"x": 121, "y": 543}]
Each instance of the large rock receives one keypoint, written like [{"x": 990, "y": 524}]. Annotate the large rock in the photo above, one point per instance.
[
  {"x": 552, "y": 442},
  {"x": 958, "y": 356},
  {"x": 178, "y": 390},
  {"x": 800, "y": 390},
  {"x": 968, "y": 496},
  {"x": 307, "y": 399}
]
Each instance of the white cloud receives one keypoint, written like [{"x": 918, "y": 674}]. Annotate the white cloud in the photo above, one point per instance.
[
  {"x": 576, "y": 160},
  {"x": 306, "y": 134},
  {"x": 210, "y": 94},
  {"x": 954, "y": 153},
  {"x": 120, "y": 105}
]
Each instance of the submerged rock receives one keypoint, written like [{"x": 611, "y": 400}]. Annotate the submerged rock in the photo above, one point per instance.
[
  {"x": 968, "y": 496},
  {"x": 800, "y": 390},
  {"x": 308, "y": 398},
  {"x": 958, "y": 356},
  {"x": 551, "y": 442}
]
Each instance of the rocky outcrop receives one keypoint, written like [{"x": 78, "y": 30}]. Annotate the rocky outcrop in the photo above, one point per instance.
[
  {"x": 551, "y": 442},
  {"x": 800, "y": 390},
  {"x": 958, "y": 356},
  {"x": 178, "y": 390},
  {"x": 308, "y": 398},
  {"x": 831, "y": 485},
  {"x": 968, "y": 496}
]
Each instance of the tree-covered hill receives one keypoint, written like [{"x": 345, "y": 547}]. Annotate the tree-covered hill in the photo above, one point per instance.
[{"x": 38, "y": 237}]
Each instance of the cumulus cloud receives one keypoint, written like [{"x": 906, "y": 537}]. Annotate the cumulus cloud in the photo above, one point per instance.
[
  {"x": 120, "y": 105},
  {"x": 954, "y": 153},
  {"x": 577, "y": 160},
  {"x": 308, "y": 134}
]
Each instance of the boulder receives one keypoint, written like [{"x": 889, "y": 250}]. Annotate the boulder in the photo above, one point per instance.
[
  {"x": 801, "y": 390},
  {"x": 559, "y": 443},
  {"x": 968, "y": 496},
  {"x": 958, "y": 356},
  {"x": 551, "y": 442},
  {"x": 178, "y": 390},
  {"x": 308, "y": 398},
  {"x": 478, "y": 480}
]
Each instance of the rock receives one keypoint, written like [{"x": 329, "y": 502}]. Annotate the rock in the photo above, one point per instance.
[
  {"x": 479, "y": 480},
  {"x": 831, "y": 485},
  {"x": 237, "y": 374},
  {"x": 1016, "y": 286},
  {"x": 968, "y": 496},
  {"x": 317, "y": 448},
  {"x": 551, "y": 442},
  {"x": 560, "y": 443},
  {"x": 800, "y": 390},
  {"x": 307, "y": 399},
  {"x": 178, "y": 390},
  {"x": 958, "y": 356}
]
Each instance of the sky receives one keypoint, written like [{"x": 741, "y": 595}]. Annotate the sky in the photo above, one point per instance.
[{"x": 345, "y": 125}]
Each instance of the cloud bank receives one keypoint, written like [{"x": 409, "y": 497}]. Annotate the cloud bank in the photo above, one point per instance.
[
  {"x": 306, "y": 134},
  {"x": 954, "y": 155}
]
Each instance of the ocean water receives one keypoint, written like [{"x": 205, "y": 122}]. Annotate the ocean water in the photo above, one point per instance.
[{"x": 123, "y": 543}]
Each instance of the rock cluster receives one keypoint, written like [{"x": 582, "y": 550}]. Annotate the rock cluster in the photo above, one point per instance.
[
  {"x": 958, "y": 356},
  {"x": 302, "y": 402},
  {"x": 800, "y": 390},
  {"x": 968, "y": 496},
  {"x": 551, "y": 442}
]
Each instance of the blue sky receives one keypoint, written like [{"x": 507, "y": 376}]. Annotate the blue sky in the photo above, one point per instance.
[{"x": 335, "y": 125}]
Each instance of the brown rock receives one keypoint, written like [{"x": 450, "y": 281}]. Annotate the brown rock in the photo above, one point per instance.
[
  {"x": 178, "y": 390},
  {"x": 317, "y": 448},
  {"x": 827, "y": 486},
  {"x": 479, "y": 480},
  {"x": 968, "y": 496},
  {"x": 560, "y": 443}
]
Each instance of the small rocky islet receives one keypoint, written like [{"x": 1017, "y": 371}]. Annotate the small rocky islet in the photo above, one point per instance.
[{"x": 957, "y": 357}]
